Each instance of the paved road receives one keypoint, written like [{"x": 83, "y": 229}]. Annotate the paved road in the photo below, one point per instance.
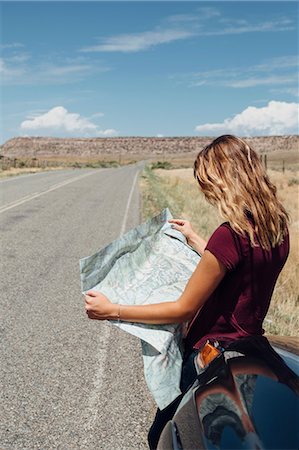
[{"x": 67, "y": 382}]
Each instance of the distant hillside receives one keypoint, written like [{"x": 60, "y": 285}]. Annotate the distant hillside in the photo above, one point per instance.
[{"x": 90, "y": 147}]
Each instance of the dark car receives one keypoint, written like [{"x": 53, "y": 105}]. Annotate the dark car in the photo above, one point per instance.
[{"x": 246, "y": 398}]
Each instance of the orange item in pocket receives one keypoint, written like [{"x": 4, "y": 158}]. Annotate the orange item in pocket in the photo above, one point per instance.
[{"x": 208, "y": 353}]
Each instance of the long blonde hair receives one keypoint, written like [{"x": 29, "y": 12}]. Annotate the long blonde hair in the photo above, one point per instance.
[{"x": 232, "y": 177}]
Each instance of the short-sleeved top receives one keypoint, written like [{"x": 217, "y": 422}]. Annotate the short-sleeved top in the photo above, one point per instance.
[{"x": 240, "y": 302}]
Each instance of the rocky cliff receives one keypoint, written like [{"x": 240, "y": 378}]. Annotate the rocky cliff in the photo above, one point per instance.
[{"x": 95, "y": 147}]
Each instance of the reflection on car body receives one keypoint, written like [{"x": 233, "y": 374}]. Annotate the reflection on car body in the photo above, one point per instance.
[{"x": 246, "y": 398}]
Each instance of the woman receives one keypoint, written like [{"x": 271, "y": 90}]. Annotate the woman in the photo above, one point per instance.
[{"x": 228, "y": 294}]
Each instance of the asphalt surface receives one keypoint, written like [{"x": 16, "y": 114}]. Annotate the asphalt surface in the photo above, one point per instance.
[{"x": 67, "y": 382}]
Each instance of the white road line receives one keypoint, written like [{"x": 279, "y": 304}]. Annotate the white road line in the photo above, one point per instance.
[
  {"x": 16, "y": 201},
  {"x": 39, "y": 194},
  {"x": 128, "y": 206},
  {"x": 94, "y": 399}
]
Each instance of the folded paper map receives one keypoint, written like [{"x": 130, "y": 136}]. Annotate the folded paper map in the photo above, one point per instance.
[{"x": 149, "y": 264}]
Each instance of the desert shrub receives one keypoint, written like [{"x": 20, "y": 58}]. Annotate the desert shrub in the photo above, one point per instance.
[
  {"x": 161, "y": 165},
  {"x": 106, "y": 164},
  {"x": 293, "y": 181}
]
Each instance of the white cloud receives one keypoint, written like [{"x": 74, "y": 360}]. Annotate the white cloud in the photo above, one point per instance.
[
  {"x": 264, "y": 81},
  {"x": 20, "y": 68},
  {"x": 279, "y": 62},
  {"x": 17, "y": 58},
  {"x": 60, "y": 122},
  {"x": 207, "y": 12},
  {"x": 203, "y": 21},
  {"x": 246, "y": 27},
  {"x": 159, "y": 135},
  {"x": 12, "y": 45},
  {"x": 272, "y": 72},
  {"x": 199, "y": 14},
  {"x": 57, "y": 71},
  {"x": 8, "y": 72},
  {"x": 294, "y": 91},
  {"x": 277, "y": 118},
  {"x": 98, "y": 114},
  {"x": 128, "y": 43}
]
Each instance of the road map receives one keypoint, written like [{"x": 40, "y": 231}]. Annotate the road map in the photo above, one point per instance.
[{"x": 149, "y": 264}]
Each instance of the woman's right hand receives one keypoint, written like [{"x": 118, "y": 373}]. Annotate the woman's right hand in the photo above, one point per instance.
[{"x": 184, "y": 226}]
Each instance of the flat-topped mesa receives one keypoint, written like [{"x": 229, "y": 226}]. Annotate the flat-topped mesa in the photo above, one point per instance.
[{"x": 94, "y": 147}]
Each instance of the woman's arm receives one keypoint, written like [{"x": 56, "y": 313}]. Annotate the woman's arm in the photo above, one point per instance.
[
  {"x": 197, "y": 243},
  {"x": 204, "y": 280}
]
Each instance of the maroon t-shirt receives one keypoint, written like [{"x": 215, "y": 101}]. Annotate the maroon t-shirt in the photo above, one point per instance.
[{"x": 240, "y": 302}]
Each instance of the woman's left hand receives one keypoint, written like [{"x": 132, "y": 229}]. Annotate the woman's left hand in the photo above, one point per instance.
[{"x": 98, "y": 306}]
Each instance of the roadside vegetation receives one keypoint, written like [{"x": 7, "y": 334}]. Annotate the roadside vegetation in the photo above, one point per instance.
[
  {"x": 177, "y": 190},
  {"x": 17, "y": 166}
]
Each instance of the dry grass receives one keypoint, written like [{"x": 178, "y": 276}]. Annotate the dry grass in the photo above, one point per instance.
[
  {"x": 177, "y": 190},
  {"x": 13, "y": 171},
  {"x": 16, "y": 166},
  {"x": 276, "y": 160}
]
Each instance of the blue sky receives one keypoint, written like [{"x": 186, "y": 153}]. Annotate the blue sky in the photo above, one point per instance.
[{"x": 148, "y": 68}]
